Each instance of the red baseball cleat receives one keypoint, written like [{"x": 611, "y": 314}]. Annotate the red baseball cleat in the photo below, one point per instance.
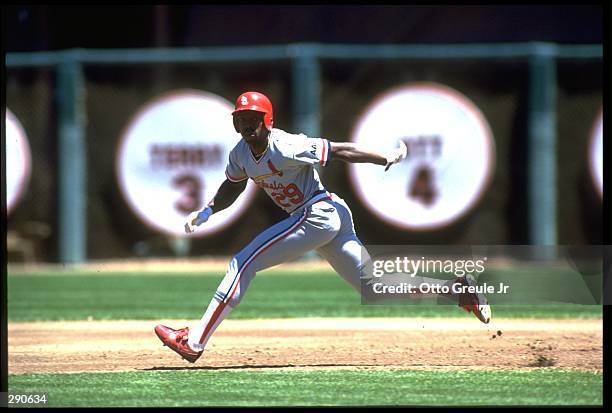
[
  {"x": 475, "y": 303},
  {"x": 177, "y": 341}
]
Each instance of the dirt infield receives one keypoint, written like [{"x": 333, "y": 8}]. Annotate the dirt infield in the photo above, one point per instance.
[{"x": 311, "y": 343}]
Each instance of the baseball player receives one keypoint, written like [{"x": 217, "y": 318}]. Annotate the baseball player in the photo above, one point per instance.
[{"x": 282, "y": 164}]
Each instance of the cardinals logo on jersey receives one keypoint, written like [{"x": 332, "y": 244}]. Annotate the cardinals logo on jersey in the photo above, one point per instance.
[{"x": 273, "y": 173}]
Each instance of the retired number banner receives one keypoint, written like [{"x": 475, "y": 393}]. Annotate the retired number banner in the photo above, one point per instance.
[
  {"x": 171, "y": 160},
  {"x": 451, "y": 156},
  {"x": 18, "y": 161}
]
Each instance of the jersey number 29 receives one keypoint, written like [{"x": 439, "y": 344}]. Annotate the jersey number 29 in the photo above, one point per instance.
[{"x": 291, "y": 193}]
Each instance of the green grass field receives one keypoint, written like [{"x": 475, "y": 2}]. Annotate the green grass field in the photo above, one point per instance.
[
  {"x": 315, "y": 388},
  {"x": 112, "y": 296},
  {"x": 153, "y": 296}
]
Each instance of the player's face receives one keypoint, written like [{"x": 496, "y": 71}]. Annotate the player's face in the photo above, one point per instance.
[{"x": 251, "y": 125}]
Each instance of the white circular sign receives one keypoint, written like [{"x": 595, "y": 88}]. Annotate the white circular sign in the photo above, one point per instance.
[
  {"x": 171, "y": 161},
  {"x": 451, "y": 156},
  {"x": 596, "y": 154},
  {"x": 18, "y": 160}
]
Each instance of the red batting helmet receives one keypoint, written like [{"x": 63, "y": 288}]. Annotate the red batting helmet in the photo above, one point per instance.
[{"x": 255, "y": 101}]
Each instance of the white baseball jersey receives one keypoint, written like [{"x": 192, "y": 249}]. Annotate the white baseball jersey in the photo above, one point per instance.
[{"x": 285, "y": 170}]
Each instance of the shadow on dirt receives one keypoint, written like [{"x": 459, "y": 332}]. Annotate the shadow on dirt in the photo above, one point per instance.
[{"x": 254, "y": 366}]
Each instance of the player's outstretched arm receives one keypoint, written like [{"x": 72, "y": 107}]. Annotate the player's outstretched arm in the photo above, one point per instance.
[
  {"x": 350, "y": 152},
  {"x": 225, "y": 196}
]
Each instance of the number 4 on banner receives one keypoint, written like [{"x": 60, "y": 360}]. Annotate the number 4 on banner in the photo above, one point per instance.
[{"x": 422, "y": 187}]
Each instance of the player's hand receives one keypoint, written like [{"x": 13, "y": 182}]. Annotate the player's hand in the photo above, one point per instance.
[
  {"x": 397, "y": 155},
  {"x": 197, "y": 218}
]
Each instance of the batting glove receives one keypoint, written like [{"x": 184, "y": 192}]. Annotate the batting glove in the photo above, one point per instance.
[
  {"x": 397, "y": 155},
  {"x": 197, "y": 218}
]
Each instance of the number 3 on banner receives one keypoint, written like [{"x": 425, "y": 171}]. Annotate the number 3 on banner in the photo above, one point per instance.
[{"x": 192, "y": 188}]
